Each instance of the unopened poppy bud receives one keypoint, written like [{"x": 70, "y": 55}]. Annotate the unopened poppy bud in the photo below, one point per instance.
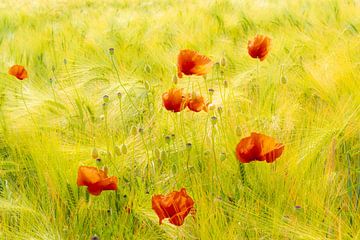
[
  {"x": 123, "y": 148},
  {"x": 175, "y": 79},
  {"x": 222, "y": 156},
  {"x": 188, "y": 146},
  {"x": 94, "y": 153},
  {"x": 163, "y": 156},
  {"x": 117, "y": 150},
  {"x": 147, "y": 68},
  {"x": 283, "y": 80},
  {"x": 106, "y": 98},
  {"x": 147, "y": 85},
  {"x": 211, "y": 91},
  {"x": 119, "y": 95},
  {"x": 141, "y": 130},
  {"x": 213, "y": 120},
  {"x": 111, "y": 51},
  {"x": 223, "y": 61},
  {"x": 94, "y": 238},
  {"x": 173, "y": 136},
  {"x": 157, "y": 153},
  {"x": 226, "y": 84},
  {"x": 133, "y": 130},
  {"x": 98, "y": 162},
  {"x": 167, "y": 139},
  {"x": 238, "y": 131}
]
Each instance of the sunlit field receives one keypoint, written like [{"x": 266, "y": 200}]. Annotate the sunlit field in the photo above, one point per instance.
[{"x": 92, "y": 145}]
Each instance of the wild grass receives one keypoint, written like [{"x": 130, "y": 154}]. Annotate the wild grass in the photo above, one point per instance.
[{"x": 306, "y": 94}]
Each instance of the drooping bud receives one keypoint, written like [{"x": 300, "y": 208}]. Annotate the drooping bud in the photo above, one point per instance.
[
  {"x": 238, "y": 131},
  {"x": 94, "y": 153},
  {"x": 133, "y": 130},
  {"x": 223, "y": 61},
  {"x": 123, "y": 148},
  {"x": 117, "y": 150}
]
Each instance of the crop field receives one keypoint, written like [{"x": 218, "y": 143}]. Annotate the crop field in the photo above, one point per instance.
[{"x": 179, "y": 119}]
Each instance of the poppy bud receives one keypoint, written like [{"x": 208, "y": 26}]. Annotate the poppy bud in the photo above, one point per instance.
[
  {"x": 283, "y": 80},
  {"x": 213, "y": 120},
  {"x": 106, "y": 98},
  {"x": 133, "y": 130},
  {"x": 147, "y": 68},
  {"x": 222, "y": 156},
  {"x": 94, "y": 153},
  {"x": 123, "y": 148},
  {"x": 95, "y": 237},
  {"x": 226, "y": 84},
  {"x": 102, "y": 117},
  {"x": 141, "y": 131},
  {"x": 163, "y": 155},
  {"x": 175, "y": 79},
  {"x": 117, "y": 150},
  {"x": 109, "y": 211},
  {"x": 173, "y": 136},
  {"x": 119, "y": 95},
  {"x": 147, "y": 85},
  {"x": 238, "y": 131},
  {"x": 98, "y": 162},
  {"x": 217, "y": 65},
  {"x": 157, "y": 153},
  {"x": 211, "y": 91},
  {"x": 167, "y": 139},
  {"x": 111, "y": 51},
  {"x": 223, "y": 61},
  {"x": 188, "y": 146}
]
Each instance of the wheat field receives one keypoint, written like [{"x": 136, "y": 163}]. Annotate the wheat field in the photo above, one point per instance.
[{"x": 78, "y": 54}]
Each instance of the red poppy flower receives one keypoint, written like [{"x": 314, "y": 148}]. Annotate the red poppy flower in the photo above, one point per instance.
[
  {"x": 258, "y": 147},
  {"x": 197, "y": 103},
  {"x": 259, "y": 47},
  {"x": 192, "y": 63},
  {"x": 175, "y": 206},
  {"x": 96, "y": 180},
  {"x": 175, "y": 100},
  {"x": 18, "y": 71}
]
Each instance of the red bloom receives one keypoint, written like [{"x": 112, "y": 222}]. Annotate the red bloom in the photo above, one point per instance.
[
  {"x": 174, "y": 100},
  {"x": 259, "y": 47},
  {"x": 96, "y": 180},
  {"x": 258, "y": 147},
  {"x": 18, "y": 71},
  {"x": 175, "y": 206},
  {"x": 192, "y": 63},
  {"x": 197, "y": 103}
]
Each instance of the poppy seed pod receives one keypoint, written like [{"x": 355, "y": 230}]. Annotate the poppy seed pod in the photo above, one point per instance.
[
  {"x": 188, "y": 146},
  {"x": 167, "y": 139},
  {"x": 123, "y": 148},
  {"x": 111, "y": 51},
  {"x": 106, "y": 98},
  {"x": 119, "y": 95},
  {"x": 94, "y": 238},
  {"x": 105, "y": 105},
  {"x": 211, "y": 91},
  {"x": 94, "y": 153},
  {"x": 141, "y": 131}
]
